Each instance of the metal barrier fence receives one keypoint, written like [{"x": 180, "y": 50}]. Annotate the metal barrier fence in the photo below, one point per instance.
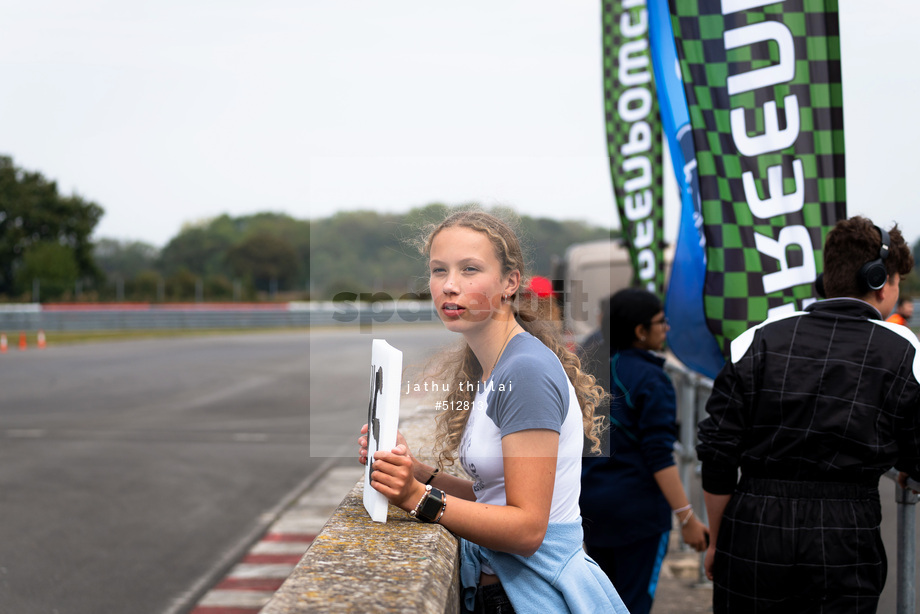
[
  {"x": 693, "y": 391},
  {"x": 136, "y": 316}
]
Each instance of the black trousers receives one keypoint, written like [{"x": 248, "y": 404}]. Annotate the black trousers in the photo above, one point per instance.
[
  {"x": 798, "y": 547},
  {"x": 492, "y": 599},
  {"x": 633, "y": 569}
]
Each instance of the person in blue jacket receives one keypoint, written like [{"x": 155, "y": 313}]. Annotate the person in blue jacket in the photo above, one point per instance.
[{"x": 628, "y": 498}]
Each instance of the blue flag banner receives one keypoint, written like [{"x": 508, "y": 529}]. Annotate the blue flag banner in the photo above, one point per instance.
[{"x": 689, "y": 337}]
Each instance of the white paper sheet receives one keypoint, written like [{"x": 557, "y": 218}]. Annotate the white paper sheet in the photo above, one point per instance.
[{"x": 382, "y": 417}]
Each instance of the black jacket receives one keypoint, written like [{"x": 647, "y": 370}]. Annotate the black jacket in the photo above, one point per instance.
[{"x": 830, "y": 395}]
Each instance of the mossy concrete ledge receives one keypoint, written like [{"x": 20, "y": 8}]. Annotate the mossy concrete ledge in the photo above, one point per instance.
[{"x": 358, "y": 565}]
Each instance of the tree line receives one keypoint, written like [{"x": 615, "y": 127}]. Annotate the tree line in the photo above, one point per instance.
[
  {"x": 275, "y": 256},
  {"x": 47, "y": 252}
]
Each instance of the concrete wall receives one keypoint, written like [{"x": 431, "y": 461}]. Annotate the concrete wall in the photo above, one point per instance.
[{"x": 357, "y": 565}]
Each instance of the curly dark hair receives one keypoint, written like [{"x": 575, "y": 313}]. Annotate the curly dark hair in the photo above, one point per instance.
[{"x": 850, "y": 244}]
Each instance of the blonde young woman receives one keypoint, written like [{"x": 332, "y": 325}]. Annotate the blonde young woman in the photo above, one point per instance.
[{"x": 520, "y": 410}]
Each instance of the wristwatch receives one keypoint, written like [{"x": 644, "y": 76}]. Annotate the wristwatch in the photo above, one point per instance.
[{"x": 430, "y": 506}]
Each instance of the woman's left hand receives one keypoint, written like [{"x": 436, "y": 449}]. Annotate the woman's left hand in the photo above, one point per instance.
[
  {"x": 362, "y": 445},
  {"x": 391, "y": 476}
]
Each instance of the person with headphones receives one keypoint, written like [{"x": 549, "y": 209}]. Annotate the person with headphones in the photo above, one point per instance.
[{"x": 812, "y": 408}]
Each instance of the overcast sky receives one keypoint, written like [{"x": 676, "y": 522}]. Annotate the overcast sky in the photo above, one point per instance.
[{"x": 173, "y": 111}]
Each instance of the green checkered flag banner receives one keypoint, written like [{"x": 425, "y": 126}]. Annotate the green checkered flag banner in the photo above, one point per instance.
[
  {"x": 762, "y": 80},
  {"x": 634, "y": 142}
]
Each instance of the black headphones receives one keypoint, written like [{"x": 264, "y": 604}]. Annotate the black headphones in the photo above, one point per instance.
[{"x": 873, "y": 275}]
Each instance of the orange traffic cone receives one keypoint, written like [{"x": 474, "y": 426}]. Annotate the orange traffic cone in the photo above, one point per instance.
[
  {"x": 22, "y": 341},
  {"x": 41, "y": 339},
  {"x": 3, "y": 343}
]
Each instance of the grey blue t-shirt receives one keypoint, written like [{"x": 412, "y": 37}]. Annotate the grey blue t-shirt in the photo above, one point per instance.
[{"x": 528, "y": 389}]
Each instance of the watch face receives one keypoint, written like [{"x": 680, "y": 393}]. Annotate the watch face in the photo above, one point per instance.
[{"x": 432, "y": 505}]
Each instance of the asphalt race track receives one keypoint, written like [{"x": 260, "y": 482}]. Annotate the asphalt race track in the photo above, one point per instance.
[{"x": 129, "y": 471}]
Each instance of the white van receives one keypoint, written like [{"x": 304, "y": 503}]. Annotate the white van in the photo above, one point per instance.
[{"x": 588, "y": 273}]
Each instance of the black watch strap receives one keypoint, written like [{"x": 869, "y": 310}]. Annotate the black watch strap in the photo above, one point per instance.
[{"x": 431, "y": 506}]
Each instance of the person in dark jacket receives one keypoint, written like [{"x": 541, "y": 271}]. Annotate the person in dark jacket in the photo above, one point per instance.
[
  {"x": 813, "y": 407},
  {"x": 628, "y": 498}
]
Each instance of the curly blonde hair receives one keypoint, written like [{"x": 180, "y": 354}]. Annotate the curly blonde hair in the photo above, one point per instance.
[{"x": 461, "y": 369}]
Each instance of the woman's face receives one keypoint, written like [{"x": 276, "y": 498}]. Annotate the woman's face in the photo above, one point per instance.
[
  {"x": 655, "y": 333},
  {"x": 465, "y": 279}
]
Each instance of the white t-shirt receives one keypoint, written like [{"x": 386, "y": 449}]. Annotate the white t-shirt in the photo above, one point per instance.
[{"x": 528, "y": 389}]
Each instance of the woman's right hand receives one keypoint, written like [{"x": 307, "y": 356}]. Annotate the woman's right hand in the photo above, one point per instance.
[
  {"x": 392, "y": 475},
  {"x": 695, "y": 534}
]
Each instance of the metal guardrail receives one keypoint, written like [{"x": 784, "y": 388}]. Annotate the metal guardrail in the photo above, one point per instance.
[
  {"x": 34, "y": 317},
  {"x": 906, "y": 498},
  {"x": 693, "y": 391}
]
